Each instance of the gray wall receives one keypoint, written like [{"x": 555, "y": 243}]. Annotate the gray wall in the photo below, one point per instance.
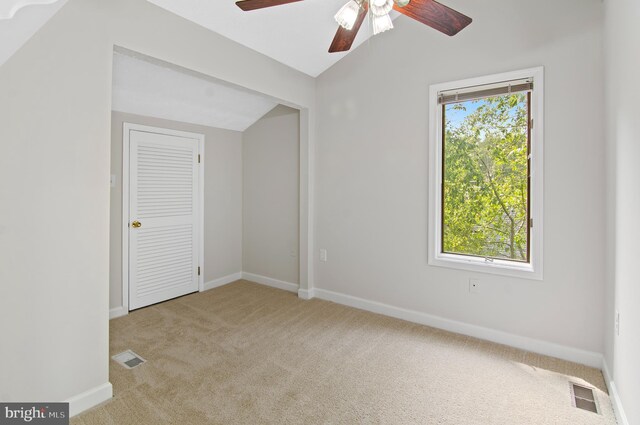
[
  {"x": 55, "y": 113},
  {"x": 270, "y": 152},
  {"x": 372, "y": 169},
  {"x": 222, "y": 199},
  {"x": 623, "y": 150}
]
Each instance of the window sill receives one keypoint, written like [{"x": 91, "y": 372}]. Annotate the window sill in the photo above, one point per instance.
[{"x": 480, "y": 265}]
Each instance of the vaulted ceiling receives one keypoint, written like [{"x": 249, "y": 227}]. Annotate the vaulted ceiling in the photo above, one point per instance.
[{"x": 296, "y": 34}]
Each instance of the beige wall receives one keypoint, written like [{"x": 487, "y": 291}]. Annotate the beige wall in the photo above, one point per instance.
[
  {"x": 55, "y": 114},
  {"x": 270, "y": 152},
  {"x": 372, "y": 168},
  {"x": 623, "y": 201},
  {"x": 222, "y": 199},
  {"x": 371, "y": 161}
]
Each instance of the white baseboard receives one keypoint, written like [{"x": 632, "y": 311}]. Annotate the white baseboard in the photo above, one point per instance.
[
  {"x": 576, "y": 355},
  {"x": 621, "y": 417},
  {"x": 117, "y": 312},
  {"x": 121, "y": 311},
  {"x": 275, "y": 283},
  {"x": 306, "y": 294},
  {"x": 90, "y": 398},
  {"x": 222, "y": 281}
]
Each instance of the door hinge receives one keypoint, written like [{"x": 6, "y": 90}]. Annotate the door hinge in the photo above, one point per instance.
[
  {"x": 198, "y": 270},
  {"x": 198, "y": 158}
]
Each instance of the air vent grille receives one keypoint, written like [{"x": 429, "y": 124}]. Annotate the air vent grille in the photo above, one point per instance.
[
  {"x": 583, "y": 398},
  {"x": 128, "y": 359}
]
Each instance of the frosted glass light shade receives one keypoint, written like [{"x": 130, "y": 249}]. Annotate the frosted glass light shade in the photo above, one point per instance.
[
  {"x": 381, "y": 23},
  {"x": 402, "y": 3},
  {"x": 380, "y": 7},
  {"x": 348, "y": 14}
]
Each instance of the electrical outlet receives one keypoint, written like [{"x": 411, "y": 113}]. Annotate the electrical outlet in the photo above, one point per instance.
[
  {"x": 617, "y": 323},
  {"x": 474, "y": 286},
  {"x": 323, "y": 255}
]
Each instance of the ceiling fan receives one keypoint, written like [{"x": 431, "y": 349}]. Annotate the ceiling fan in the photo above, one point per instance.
[{"x": 352, "y": 14}]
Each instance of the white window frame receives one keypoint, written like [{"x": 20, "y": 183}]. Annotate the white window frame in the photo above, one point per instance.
[{"x": 532, "y": 269}]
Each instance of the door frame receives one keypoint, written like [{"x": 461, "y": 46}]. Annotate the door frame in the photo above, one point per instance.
[{"x": 126, "y": 130}]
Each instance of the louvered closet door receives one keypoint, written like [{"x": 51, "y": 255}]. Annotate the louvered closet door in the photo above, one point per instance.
[{"x": 163, "y": 225}]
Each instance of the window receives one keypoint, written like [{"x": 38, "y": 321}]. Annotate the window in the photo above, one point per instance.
[{"x": 485, "y": 211}]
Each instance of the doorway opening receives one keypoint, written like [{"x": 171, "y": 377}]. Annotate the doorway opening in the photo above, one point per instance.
[{"x": 256, "y": 157}]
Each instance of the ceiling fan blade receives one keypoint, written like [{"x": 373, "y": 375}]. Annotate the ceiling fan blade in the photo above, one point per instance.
[
  {"x": 435, "y": 15},
  {"x": 344, "y": 38},
  {"x": 247, "y": 5}
]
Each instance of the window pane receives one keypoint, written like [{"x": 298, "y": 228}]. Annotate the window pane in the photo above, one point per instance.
[{"x": 485, "y": 177}]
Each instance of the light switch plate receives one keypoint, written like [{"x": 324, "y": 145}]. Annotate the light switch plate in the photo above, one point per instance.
[{"x": 323, "y": 255}]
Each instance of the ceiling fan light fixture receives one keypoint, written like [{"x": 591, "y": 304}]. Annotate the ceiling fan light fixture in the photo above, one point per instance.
[
  {"x": 381, "y": 23},
  {"x": 380, "y": 7},
  {"x": 401, "y": 3},
  {"x": 346, "y": 16}
]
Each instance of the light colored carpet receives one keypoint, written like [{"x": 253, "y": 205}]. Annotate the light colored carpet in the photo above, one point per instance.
[{"x": 249, "y": 354}]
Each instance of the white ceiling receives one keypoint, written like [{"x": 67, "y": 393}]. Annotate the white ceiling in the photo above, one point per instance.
[
  {"x": 295, "y": 34},
  {"x": 148, "y": 87},
  {"x": 18, "y": 23}
]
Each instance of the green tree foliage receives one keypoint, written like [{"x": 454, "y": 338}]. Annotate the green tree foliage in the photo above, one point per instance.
[{"x": 486, "y": 177}]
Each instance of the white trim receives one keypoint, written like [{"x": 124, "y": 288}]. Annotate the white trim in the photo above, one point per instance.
[
  {"x": 126, "y": 129},
  {"x": 201, "y": 158},
  {"x": 621, "y": 417},
  {"x": 90, "y": 398},
  {"x": 306, "y": 206},
  {"x": 268, "y": 281},
  {"x": 576, "y": 355},
  {"x": 125, "y": 216},
  {"x": 117, "y": 312},
  {"x": 306, "y": 294},
  {"x": 222, "y": 281},
  {"x": 475, "y": 264}
]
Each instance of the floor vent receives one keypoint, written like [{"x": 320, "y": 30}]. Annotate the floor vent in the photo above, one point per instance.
[
  {"x": 128, "y": 359},
  {"x": 583, "y": 398}
]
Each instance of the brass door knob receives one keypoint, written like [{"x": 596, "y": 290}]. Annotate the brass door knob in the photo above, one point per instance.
[{"x": 136, "y": 224}]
